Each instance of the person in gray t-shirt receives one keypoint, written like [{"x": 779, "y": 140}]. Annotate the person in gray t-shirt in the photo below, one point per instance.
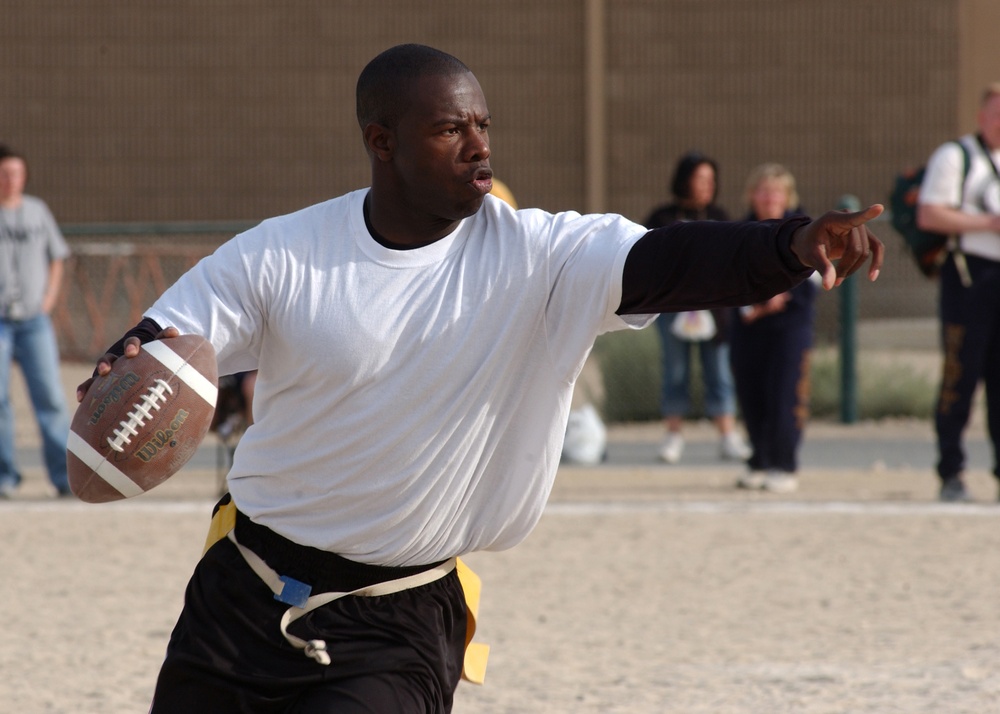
[{"x": 32, "y": 252}]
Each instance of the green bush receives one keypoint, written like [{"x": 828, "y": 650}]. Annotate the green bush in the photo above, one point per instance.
[
  {"x": 629, "y": 362},
  {"x": 884, "y": 390},
  {"x": 824, "y": 384}
]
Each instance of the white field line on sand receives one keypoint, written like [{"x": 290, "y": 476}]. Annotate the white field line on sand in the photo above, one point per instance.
[
  {"x": 874, "y": 508},
  {"x": 567, "y": 508}
]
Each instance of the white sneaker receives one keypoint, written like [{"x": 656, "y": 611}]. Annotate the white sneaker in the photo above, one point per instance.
[
  {"x": 733, "y": 448},
  {"x": 672, "y": 448},
  {"x": 751, "y": 480},
  {"x": 8, "y": 489},
  {"x": 780, "y": 482}
]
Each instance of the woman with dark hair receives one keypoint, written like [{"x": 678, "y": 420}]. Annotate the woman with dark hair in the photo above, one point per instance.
[{"x": 695, "y": 188}]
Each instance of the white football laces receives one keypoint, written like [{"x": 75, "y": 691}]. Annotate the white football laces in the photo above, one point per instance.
[{"x": 142, "y": 411}]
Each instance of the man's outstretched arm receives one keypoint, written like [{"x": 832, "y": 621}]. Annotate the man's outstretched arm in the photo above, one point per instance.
[{"x": 698, "y": 265}]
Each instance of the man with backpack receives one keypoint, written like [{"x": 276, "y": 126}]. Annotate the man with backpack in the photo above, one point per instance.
[{"x": 960, "y": 197}]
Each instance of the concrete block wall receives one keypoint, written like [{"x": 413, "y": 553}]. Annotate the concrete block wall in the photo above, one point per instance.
[{"x": 188, "y": 110}]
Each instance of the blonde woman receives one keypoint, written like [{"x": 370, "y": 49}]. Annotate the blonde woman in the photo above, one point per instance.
[{"x": 770, "y": 343}]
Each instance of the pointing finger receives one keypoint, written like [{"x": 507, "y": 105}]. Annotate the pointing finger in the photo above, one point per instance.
[{"x": 859, "y": 218}]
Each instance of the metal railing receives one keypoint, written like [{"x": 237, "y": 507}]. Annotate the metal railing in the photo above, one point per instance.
[{"x": 116, "y": 270}]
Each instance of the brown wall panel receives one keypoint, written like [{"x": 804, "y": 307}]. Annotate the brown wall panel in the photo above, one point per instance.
[
  {"x": 182, "y": 110},
  {"x": 842, "y": 92},
  {"x": 161, "y": 110},
  {"x": 195, "y": 110},
  {"x": 979, "y": 55}
]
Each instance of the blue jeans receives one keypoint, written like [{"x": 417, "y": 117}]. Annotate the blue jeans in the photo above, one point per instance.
[
  {"x": 675, "y": 397},
  {"x": 32, "y": 344}
]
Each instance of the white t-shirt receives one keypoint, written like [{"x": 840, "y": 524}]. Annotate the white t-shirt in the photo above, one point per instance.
[
  {"x": 410, "y": 405},
  {"x": 943, "y": 186}
]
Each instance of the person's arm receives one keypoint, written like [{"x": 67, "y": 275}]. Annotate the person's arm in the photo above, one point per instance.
[
  {"x": 702, "y": 264},
  {"x": 945, "y": 219},
  {"x": 939, "y": 205},
  {"x": 52, "y": 285},
  {"x": 698, "y": 265},
  {"x": 772, "y": 306}
]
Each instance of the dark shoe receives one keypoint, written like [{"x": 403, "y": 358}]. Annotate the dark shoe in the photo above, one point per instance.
[{"x": 953, "y": 490}]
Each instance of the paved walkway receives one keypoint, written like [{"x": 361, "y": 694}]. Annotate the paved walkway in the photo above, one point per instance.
[{"x": 888, "y": 460}]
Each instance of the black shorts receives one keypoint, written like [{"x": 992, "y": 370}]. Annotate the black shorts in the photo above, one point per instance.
[{"x": 401, "y": 652}]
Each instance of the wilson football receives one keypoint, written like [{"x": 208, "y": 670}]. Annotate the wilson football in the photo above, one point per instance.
[{"x": 138, "y": 425}]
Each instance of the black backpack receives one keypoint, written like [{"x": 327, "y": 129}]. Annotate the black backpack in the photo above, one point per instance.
[{"x": 928, "y": 249}]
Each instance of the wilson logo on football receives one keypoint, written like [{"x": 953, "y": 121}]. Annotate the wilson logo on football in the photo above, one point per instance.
[{"x": 162, "y": 438}]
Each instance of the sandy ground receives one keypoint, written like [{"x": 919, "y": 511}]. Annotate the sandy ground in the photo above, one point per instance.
[{"x": 642, "y": 590}]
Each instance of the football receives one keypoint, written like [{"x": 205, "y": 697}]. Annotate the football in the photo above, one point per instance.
[{"x": 138, "y": 425}]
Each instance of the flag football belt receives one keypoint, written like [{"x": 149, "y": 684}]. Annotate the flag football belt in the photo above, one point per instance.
[{"x": 299, "y": 595}]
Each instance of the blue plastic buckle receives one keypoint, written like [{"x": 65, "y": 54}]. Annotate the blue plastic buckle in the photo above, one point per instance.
[{"x": 293, "y": 592}]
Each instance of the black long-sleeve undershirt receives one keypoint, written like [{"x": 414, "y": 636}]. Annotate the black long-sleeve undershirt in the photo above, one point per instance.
[{"x": 703, "y": 264}]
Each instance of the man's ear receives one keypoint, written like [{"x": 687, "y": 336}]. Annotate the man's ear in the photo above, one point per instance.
[{"x": 380, "y": 141}]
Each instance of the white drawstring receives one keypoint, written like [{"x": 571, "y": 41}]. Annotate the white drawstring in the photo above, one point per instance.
[{"x": 298, "y": 595}]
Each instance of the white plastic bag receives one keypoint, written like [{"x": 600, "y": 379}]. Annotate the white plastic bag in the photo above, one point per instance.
[
  {"x": 696, "y": 326},
  {"x": 586, "y": 437}
]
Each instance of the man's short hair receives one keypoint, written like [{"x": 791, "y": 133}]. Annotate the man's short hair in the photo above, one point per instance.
[
  {"x": 6, "y": 152},
  {"x": 383, "y": 83}
]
